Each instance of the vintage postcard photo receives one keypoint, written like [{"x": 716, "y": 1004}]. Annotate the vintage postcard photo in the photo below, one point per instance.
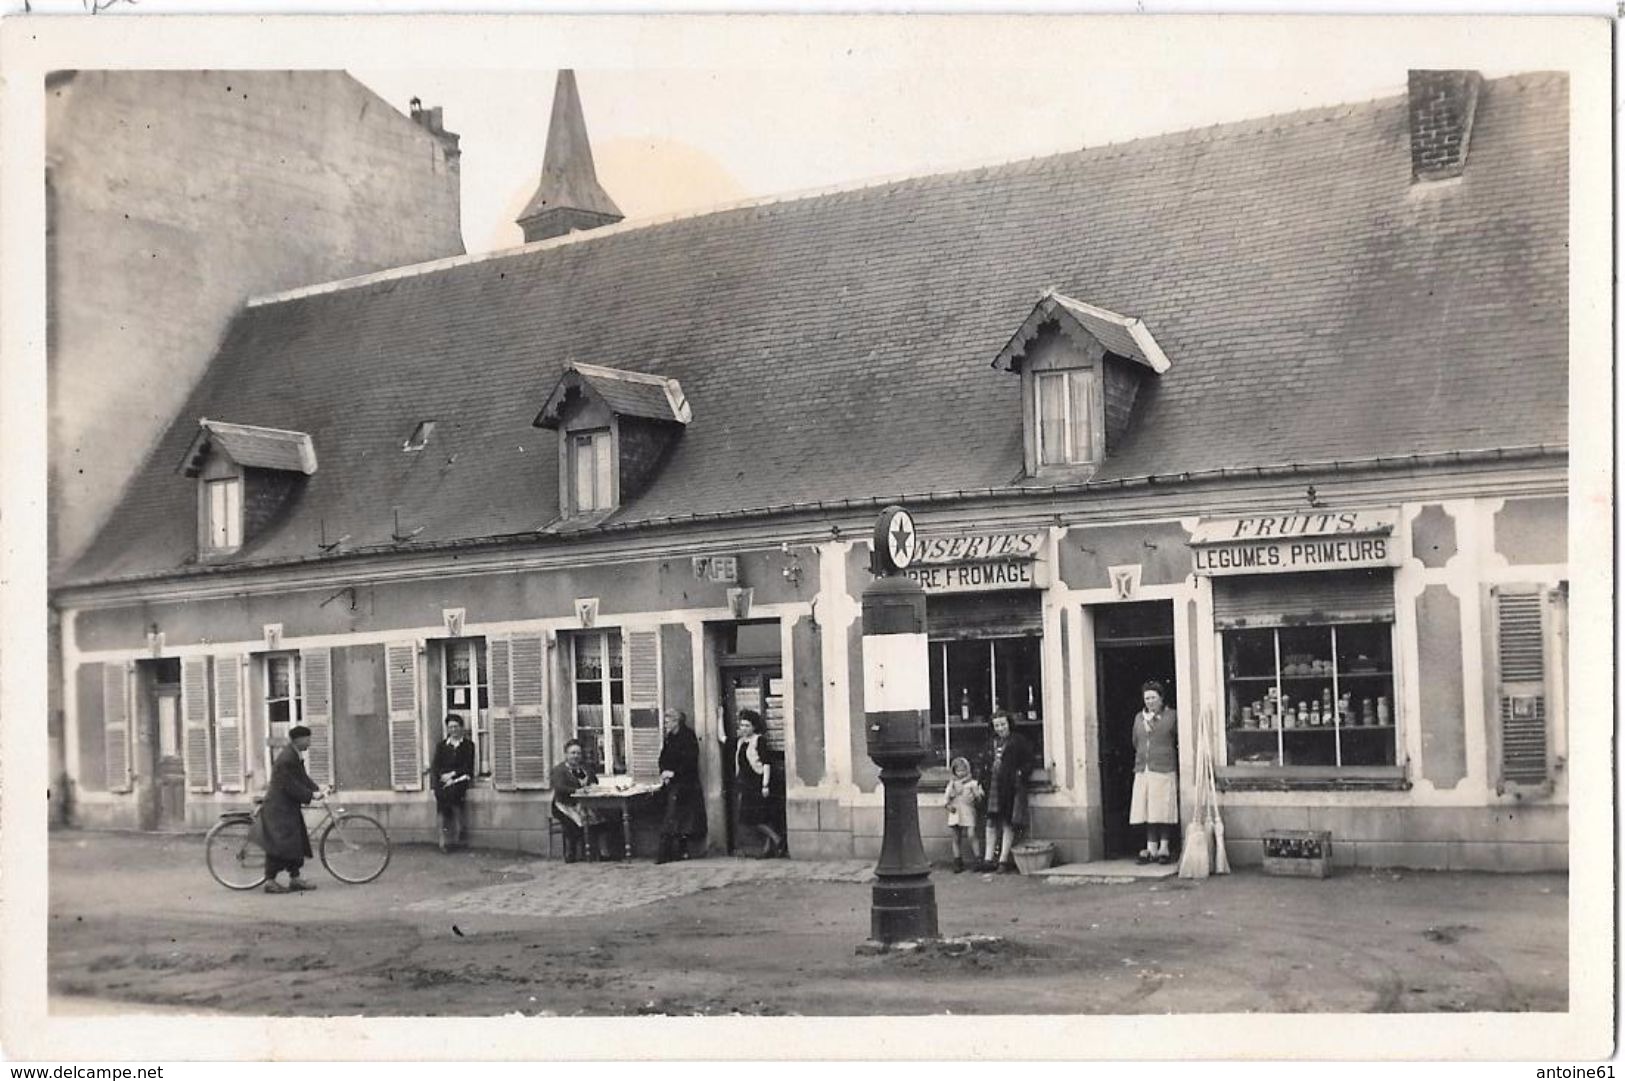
[{"x": 671, "y": 537}]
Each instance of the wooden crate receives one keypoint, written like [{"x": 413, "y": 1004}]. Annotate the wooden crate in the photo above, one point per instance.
[{"x": 1298, "y": 853}]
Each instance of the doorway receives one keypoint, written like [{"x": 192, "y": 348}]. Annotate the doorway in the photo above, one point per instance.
[
  {"x": 160, "y": 747},
  {"x": 1133, "y": 643},
  {"x": 751, "y": 677}
]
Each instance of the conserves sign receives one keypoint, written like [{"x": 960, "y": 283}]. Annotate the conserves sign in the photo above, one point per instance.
[
  {"x": 970, "y": 563},
  {"x": 1277, "y": 543}
]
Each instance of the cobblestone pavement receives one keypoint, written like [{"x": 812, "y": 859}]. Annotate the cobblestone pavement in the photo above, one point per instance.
[{"x": 585, "y": 889}]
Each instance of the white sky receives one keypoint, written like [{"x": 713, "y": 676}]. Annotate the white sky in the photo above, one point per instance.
[{"x": 670, "y": 140}]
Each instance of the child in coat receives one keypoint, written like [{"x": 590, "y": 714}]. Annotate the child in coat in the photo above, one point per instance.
[{"x": 964, "y": 792}]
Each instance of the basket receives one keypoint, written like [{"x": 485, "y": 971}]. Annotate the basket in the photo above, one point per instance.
[
  {"x": 1298, "y": 853},
  {"x": 1033, "y": 856}
]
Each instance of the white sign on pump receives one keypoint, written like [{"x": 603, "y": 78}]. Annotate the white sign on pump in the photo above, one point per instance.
[{"x": 893, "y": 676}]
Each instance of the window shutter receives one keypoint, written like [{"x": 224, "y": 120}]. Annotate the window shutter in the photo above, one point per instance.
[
  {"x": 643, "y": 704},
  {"x": 195, "y": 723},
  {"x": 401, "y": 679},
  {"x": 116, "y": 720},
  {"x": 1521, "y": 662},
  {"x": 499, "y": 758},
  {"x": 316, "y": 672},
  {"x": 228, "y": 722},
  {"x": 529, "y": 710}
]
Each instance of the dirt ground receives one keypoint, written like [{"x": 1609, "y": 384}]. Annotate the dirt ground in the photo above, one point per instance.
[{"x": 136, "y": 919}]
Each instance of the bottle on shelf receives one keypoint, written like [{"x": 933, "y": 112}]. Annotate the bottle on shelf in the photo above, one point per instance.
[
  {"x": 1383, "y": 716},
  {"x": 964, "y": 704},
  {"x": 1368, "y": 713}
]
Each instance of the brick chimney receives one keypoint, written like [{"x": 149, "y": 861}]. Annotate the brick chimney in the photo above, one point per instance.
[
  {"x": 430, "y": 120},
  {"x": 1442, "y": 104},
  {"x": 568, "y": 198}
]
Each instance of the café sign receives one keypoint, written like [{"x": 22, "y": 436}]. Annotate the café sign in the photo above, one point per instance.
[
  {"x": 973, "y": 563},
  {"x": 1290, "y": 542}
]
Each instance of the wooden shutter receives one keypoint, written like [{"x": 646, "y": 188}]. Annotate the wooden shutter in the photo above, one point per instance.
[
  {"x": 401, "y": 685},
  {"x": 116, "y": 719},
  {"x": 643, "y": 704},
  {"x": 228, "y": 722},
  {"x": 316, "y": 683},
  {"x": 526, "y": 653},
  {"x": 499, "y": 756},
  {"x": 1521, "y": 673},
  {"x": 195, "y": 743},
  {"x": 1318, "y": 597}
]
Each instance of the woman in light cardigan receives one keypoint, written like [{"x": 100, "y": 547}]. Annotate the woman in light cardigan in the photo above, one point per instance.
[{"x": 1155, "y": 800}]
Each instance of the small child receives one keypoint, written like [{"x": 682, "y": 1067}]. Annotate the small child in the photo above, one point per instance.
[{"x": 963, "y": 794}]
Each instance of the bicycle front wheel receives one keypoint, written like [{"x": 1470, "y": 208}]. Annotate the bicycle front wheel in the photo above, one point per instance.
[
  {"x": 355, "y": 848},
  {"x": 235, "y": 858}
]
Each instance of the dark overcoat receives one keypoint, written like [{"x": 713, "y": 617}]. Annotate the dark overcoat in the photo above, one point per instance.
[
  {"x": 282, "y": 830},
  {"x": 685, "y": 797},
  {"x": 448, "y": 759},
  {"x": 1007, "y": 788}
]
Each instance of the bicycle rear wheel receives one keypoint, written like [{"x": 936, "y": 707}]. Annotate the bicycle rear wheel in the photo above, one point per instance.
[
  {"x": 235, "y": 858},
  {"x": 355, "y": 848}
]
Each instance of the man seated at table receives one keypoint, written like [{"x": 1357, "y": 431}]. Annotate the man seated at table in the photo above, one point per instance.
[{"x": 578, "y": 822}]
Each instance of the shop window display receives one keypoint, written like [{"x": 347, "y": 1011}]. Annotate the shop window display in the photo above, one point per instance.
[
  {"x": 1320, "y": 696},
  {"x": 970, "y": 678}
]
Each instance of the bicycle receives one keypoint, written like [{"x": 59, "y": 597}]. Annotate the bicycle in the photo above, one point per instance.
[{"x": 354, "y": 847}]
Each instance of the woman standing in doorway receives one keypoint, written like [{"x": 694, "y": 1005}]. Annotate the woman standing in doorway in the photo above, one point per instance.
[
  {"x": 753, "y": 783},
  {"x": 1155, "y": 801},
  {"x": 1005, "y": 770}
]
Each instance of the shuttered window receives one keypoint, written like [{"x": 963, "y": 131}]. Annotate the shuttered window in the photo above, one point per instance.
[
  {"x": 528, "y": 696},
  {"x": 401, "y": 688},
  {"x": 195, "y": 743},
  {"x": 598, "y": 688},
  {"x": 1321, "y": 598},
  {"x": 317, "y": 676},
  {"x": 500, "y": 757},
  {"x": 1520, "y": 653},
  {"x": 228, "y": 722},
  {"x": 116, "y": 725},
  {"x": 643, "y": 704}
]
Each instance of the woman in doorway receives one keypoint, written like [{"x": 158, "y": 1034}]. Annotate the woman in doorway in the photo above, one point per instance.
[
  {"x": 753, "y": 784},
  {"x": 685, "y": 798},
  {"x": 576, "y": 820},
  {"x": 1005, "y": 769},
  {"x": 1155, "y": 800}
]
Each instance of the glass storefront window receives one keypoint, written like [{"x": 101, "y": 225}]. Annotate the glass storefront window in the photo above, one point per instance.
[
  {"x": 466, "y": 690},
  {"x": 970, "y": 678},
  {"x": 1310, "y": 696},
  {"x": 600, "y": 699}
]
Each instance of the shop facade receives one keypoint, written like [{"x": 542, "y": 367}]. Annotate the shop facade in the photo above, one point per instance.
[
  {"x": 655, "y": 492},
  {"x": 1395, "y": 676}
]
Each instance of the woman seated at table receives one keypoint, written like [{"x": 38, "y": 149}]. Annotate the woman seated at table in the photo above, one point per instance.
[{"x": 578, "y": 822}]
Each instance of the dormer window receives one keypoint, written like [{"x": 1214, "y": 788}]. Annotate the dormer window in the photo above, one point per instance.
[
  {"x": 615, "y": 428},
  {"x": 1067, "y": 404},
  {"x": 592, "y": 473},
  {"x": 246, "y": 475},
  {"x": 1081, "y": 369},
  {"x": 223, "y": 501}
]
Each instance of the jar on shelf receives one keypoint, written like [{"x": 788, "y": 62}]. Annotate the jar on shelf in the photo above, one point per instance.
[
  {"x": 1383, "y": 715},
  {"x": 1368, "y": 713},
  {"x": 1246, "y": 718}
]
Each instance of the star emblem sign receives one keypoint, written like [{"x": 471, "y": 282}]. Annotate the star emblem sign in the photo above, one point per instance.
[{"x": 902, "y": 540}]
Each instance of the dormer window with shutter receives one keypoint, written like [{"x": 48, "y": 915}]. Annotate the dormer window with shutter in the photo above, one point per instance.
[
  {"x": 246, "y": 476},
  {"x": 615, "y": 429},
  {"x": 1081, "y": 369}
]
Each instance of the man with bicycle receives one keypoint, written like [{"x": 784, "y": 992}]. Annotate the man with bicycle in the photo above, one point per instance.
[{"x": 282, "y": 831}]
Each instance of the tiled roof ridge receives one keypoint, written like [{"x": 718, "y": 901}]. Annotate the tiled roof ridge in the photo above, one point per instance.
[{"x": 1272, "y": 123}]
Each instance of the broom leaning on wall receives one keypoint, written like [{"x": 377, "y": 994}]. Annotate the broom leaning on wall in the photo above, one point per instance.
[{"x": 1204, "y": 852}]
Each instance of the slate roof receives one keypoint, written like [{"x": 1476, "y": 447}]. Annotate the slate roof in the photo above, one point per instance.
[
  {"x": 1314, "y": 306},
  {"x": 250, "y": 446}
]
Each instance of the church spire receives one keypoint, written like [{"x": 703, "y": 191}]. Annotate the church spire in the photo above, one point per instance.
[{"x": 569, "y": 197}]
